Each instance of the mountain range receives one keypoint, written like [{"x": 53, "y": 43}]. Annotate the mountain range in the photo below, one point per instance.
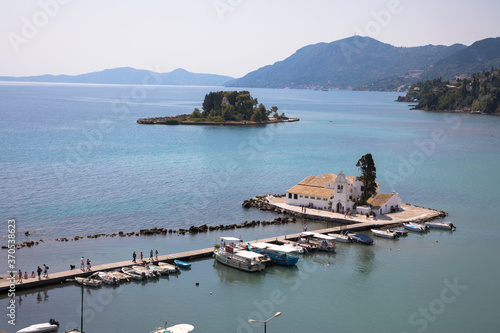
[
  {"x": 356, "y": 62},
  {"x": 128, "y": 75}
]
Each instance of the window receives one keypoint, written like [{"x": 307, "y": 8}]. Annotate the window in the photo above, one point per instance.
[
  {"x": 295, "y": 196},
  {"x": 313, "y": 198},
  {"x": 362, "y": 188},
  {"x": 289, "y": 195},
  {"x": 307, "y": 197},
  {"x": 324, "y": 199},
  {"x": 301, "y": 196}
]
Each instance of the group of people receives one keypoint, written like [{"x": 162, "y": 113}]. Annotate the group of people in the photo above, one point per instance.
[
  {"x": 134, "y": 256},
  {"x": 39, "y": 270},
  {"x": 82, "y": 264}
]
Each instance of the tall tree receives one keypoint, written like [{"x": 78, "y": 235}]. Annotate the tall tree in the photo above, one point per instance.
[{"x": 368, "y": 176}]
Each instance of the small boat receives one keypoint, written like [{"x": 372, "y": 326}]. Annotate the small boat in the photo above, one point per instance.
[
  {"x": 107, "y": 278},
  {"x": 361, "y": 239},
  {"x": 148, "y": 273},
  {"x": 171, "y": 268},
  {"x": 52, "y": 325},
  {"x": 399, "y": 233},
  {"x": 319, "y": 241},
  {"x": 280, "y": 258},
  {"x": 162, "y": 270},
  {"x": 384, "y": 233},
  {"x": 132, "y": 273},
  {"x": 180, "y": 328},
  {"x": 415, "y": 227},
  {"x": 121, "y": 277},
  {"x": 228, "y": 254},
  {"x": 92, "y": 281},
  {"x": 341, "y": 238},
  {"x": 441, "y": 225},
  {"x": 182, "y": 264}
]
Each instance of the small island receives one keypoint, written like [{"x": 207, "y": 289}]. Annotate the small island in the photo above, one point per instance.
[{"x": 237, "y": 108}]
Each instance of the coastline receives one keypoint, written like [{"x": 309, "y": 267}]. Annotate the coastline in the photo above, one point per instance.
[{"x": 162, "y": 121}]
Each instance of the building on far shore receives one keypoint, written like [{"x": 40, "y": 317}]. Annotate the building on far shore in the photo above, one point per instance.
[{"x": 338, "y": 193}]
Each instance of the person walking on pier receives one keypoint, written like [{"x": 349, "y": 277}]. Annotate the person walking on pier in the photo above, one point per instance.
[
  {"x": 20, "y": 274},
  {"x": 45, "y": 271},
  {"x": 39, "y": 271},
  {"x": 142, "y": 256},
  {"x": 134, "y": 256},
  {"x": 151, "y": 254},
  {"x": 89, "y": 266},
  {"x": 82, "y": 264},
  {"x": 156, "y": 254}
]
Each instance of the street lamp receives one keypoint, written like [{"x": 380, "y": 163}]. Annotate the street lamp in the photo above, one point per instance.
[{"x": 265, "y": 321}]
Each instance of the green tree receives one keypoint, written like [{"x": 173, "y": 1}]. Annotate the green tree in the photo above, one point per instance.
[
  {"x": 368, "y": 176},
  {"x": 196, "y": 113}
]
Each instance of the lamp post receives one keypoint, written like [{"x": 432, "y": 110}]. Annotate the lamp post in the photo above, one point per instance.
[{"x": 265, "y": 321}]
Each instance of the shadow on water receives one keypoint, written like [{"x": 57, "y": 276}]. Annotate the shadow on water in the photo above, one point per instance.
[{"x": 365, "y": 260}]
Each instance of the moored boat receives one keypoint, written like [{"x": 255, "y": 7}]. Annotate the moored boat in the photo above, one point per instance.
[
  {"x": 148, "y": 273},
  {"x": 441, "y": 225},
  {"x": 91, "y": 281},
  {"x": 361, "y": 239},
  {"x": 179, "y": 328},
  {"x": 121, "y": 277},
  {"x": 341, "y": 238},
  {"x": 52, "y": 325},
  {"x": 107, "y": 278},
  {"x": 171, "y": 268},
  {"x": 278, "y": 257},
  {"x": 182, "y": 264},
  {"x": 415, "y": 227},
  {"x": 162, "y": 270},
  {"x": 133, "y": 274},
  {"x": 319, "y": 241},
  {"x": 384, "y": 233},
  {"x": 399, "y": 233},
  {"x": 226, "y": 253}
]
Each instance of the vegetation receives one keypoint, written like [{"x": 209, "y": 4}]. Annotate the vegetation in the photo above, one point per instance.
[
  {"x": 368, "y": 176},
  {"x": 479, "y": 93}
]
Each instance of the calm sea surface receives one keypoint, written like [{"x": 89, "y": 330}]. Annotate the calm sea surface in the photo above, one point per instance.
[{"x": 74, "y": 162}]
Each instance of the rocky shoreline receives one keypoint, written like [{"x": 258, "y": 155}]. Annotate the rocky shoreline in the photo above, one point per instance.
[{"x": 173, "y": 121}]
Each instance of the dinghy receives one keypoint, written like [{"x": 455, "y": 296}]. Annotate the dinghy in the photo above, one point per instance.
[{"x": 52, "y": 325}]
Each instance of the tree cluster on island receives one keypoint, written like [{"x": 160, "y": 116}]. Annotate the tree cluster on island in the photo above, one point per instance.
[
  {"x": 222, "y": 106},
  {"x": 478, "y": 94}
]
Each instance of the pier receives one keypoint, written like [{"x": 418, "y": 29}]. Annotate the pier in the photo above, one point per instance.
[{"x": 351, "y": 223}]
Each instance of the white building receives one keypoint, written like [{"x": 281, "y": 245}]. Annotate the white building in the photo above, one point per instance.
[{"x": 338, "y": 193}]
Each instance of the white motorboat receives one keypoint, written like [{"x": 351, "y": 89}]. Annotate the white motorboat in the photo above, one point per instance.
[
  {"x": 120, "y": 276},
  {"x": 226, "y": 252},
  {"x": 341, "y": 238},
  {"x": 52, "y": 325},
  {"x": 385, "y": 233},
  {"x": 320, "y": 241},
  {"x": 179, "y": 328},
  {"x": 132, "y": 274},
  {"x": 147, "y": 272},
  {"x": 171, "y": 268},
  {"x": 415, "y": 227},
  {"x": 441, "y": 225},
  {"x": 108, "y": 278},
  {"x": 92, "y": 281},
  {"x": 162, "y": 270}
]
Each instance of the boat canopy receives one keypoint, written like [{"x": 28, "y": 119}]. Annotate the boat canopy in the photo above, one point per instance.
[
  {"x": 248, "y": 255},
  {"x": 364, "y": 237}
]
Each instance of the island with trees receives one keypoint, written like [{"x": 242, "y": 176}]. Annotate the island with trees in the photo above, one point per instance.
[
  {"x": 479, "y": 93},
  {"x": 225, "y": 108}
]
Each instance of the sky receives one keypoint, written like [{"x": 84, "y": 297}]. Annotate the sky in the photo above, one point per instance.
[{"x": 227, "y": 37}]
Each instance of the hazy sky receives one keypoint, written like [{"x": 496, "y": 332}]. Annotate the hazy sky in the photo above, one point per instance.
[{"x": 230, "y": 37}]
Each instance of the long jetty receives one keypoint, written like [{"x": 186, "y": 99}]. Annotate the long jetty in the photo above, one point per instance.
[{"x": 408, "y": 214}]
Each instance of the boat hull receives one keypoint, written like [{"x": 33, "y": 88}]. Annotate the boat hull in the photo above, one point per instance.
[
  {"x": 442, "y": 226},
  {"x": 277, "y": 258},
  {"x": 254, "y": 267},
  {"x": 384, "y": 234},
  {"x": 415, "y": 228}
]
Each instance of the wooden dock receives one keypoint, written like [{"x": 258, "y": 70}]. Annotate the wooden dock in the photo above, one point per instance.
[{"x": 62, "y": 277}]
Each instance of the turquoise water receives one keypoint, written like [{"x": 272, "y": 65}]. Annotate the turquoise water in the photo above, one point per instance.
[{"x": 74, "y": 162}]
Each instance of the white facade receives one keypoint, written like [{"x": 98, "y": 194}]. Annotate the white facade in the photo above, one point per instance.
[{"x": 336, "y": 193}]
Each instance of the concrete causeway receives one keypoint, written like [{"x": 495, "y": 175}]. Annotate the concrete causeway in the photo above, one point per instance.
[{"x": 351, "y": 223}]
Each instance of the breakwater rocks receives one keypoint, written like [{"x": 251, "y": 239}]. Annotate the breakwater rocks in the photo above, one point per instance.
[
  {"x": 163, "y": 231},
  {"x": 261, "y": 202}
]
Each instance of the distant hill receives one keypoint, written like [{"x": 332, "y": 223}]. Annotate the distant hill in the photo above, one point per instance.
[
  {"x": 482, "y": 55},
  {"x": 128, "y": 75},
  {"x": 346, "y": 63}
]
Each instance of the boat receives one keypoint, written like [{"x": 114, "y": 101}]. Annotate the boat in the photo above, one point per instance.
[
  {"x": 361, "y": 238},
  {"x": 162, "y": 270},
  {"x": 319, "y": 241},
  {"x": 91, "y": 281},
  {"x": 441, "y": 225},
  {"x": 278, "y": 257},
  {"x": 148, "y": 273},
  {"x": 132, "y": 274},
  {"x": 171, "y": 268},
  {"x": 384, "y": 233},
  {"x": 108, "y": 278},
  {"x": 182, "y": 264},
  {"x": 415, "y": 227},
  {"x": 179, "y": 328},
  {"x": 341, "y": 238},
  {"x": 226, "y": 253},
  {"x": 287, "y": 248},
  {"x": 399, "y": 233},
  {"x": 52, "y": 325},
  {"x": 121, "y": 277}
]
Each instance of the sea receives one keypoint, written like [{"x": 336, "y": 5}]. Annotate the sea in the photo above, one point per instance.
[{"x": 74, "y": 162}]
